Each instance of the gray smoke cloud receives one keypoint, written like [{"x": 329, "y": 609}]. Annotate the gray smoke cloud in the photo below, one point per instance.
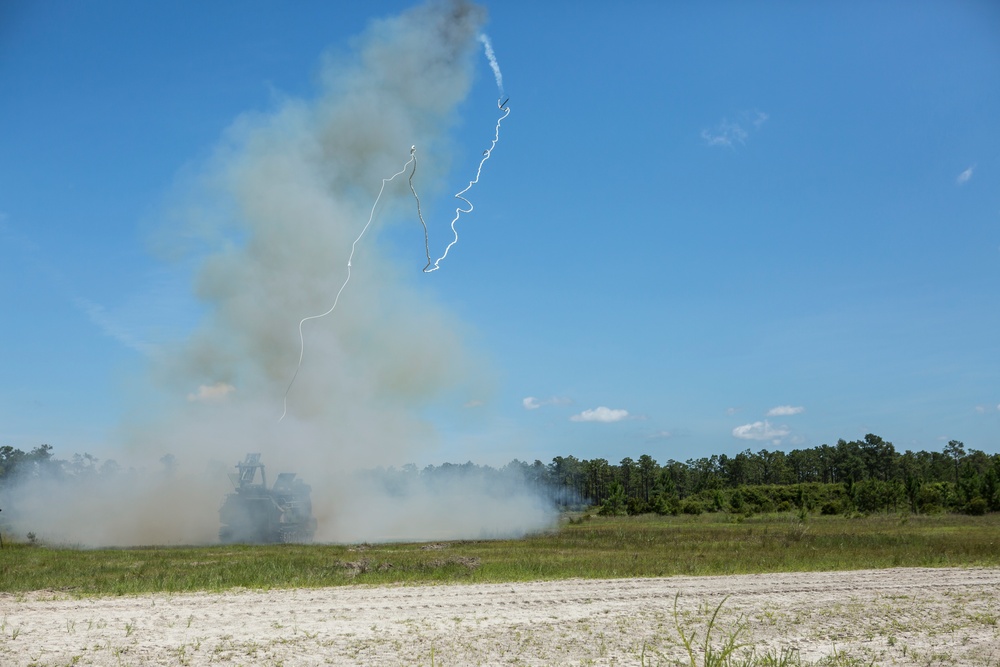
[{"x": 276, "y": 211}]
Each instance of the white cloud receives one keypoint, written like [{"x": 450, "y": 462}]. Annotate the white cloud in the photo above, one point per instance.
[
  {"x": 532, "y": 403},
  {"x": 762, "y": 430},
  {"x": 474, "y": 403},
  {"x": 211, "y": 393},
  {"x": 965, "y": 176},
  {"x": 784, "y": 411},
  {"x": 725, "y": 134},
  {"x": 983, "y": 409},
  {"x": 660, "y": 435},
  {"x": 601, "y": 414},
  {"x": 728, "y": 133}
]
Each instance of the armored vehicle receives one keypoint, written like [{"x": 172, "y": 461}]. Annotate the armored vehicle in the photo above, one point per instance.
[{"x": 257, "y": 514}]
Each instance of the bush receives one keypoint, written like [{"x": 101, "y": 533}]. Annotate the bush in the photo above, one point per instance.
[
  {"x": 664, "y": 503},
  {"x": 831, "y": 507},
  {"x": 614, "y": 504},
  {"x": 692, "y": 507},
  {"x": 976, "y": 507},
  {"x": 932, "y": 497},
  {"x": 717, "y": 502},
  {"x": 637, "y": 506},
  {"x": 736, "y": 501}
]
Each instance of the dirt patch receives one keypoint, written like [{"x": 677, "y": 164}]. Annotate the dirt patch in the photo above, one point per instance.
[{"x": 911, "y": 616}]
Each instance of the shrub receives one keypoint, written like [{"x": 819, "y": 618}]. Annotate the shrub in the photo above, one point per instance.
[
  {"x": 831, "y": 507},
  {"x": 614, "y": 504},
  {"x": 637, "y": 506},
  {"x": 977, "y": 506},
  {"x": 664, "y": 503},
  {"x": 736, "y": 501},
  {"x": 717, "y": 502},
  {"x": 692, "y": 507},
  {"x": 932, "y": 497}
]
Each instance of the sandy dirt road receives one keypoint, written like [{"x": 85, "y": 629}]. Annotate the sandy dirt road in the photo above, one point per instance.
[{"x": 900, "y": 616}]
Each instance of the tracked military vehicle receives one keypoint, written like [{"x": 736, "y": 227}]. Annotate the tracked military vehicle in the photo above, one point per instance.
[{"x": 257, "y": 514}]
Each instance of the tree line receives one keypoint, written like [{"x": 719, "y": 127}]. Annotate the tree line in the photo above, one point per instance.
[{"x": 866, "y": 475}]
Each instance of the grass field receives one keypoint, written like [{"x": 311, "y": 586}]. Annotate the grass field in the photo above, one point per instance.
[{"x": 588, "y": 547}]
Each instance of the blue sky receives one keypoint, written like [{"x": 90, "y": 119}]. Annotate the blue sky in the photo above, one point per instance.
[{"x": 705, "y": 227}]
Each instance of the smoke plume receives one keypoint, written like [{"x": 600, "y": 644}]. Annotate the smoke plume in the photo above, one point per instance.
[{"x": 276, "y": 210}]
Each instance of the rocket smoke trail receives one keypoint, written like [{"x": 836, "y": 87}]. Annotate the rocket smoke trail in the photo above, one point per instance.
[
  {"x": 488, "y": 46},
  {"x": 347, "y": 279},
  {"x": 504, "y": 112}
]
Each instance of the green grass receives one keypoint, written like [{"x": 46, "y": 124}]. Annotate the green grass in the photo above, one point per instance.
[{"x": 642, "y": 546}]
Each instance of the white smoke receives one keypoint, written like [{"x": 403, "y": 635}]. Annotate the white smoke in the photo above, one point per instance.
[
  {"x": 488, "y": 46},
  {"x": 281, "y": 202}
]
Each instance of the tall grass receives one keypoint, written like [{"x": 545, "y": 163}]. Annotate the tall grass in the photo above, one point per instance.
[{"x": 642, "y": 546}]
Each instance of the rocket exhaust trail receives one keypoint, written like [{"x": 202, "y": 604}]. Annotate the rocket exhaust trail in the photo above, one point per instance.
[
  {"x": 350, "y": 258},
  {"x": 432, "y": 265},
  {"x": 435, "y": 265}
]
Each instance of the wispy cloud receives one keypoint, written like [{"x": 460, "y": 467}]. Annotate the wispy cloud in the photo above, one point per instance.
[
  {"x": 601, "y": 414},
  {"x": 660, "y": 435},
  {"x": 984, "y": 409},
  {"x": 111, "y": 326},
  {"x": 965, "y": 176},
  {"x": 784, "y": 411},
  {"x": 729, "y": 133},
  {"x": 532, "y": 403},
  {"x": 725, "y": 134},
  {"x": 762, "y": 430},
  {"x": 211, "y": 393}
]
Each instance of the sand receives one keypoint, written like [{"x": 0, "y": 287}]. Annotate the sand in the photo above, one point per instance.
[{"x": 906, "y": 616}]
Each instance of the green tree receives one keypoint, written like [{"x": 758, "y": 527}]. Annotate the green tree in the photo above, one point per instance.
[
  {"x": 647, "y": 475},
  {"x": 680, "y": 477},
  {"x": 10, "y": 458},
  {"x": 772, "y": 466},
  {"x": 614, "y": 504},
  {"x": 878, "y": 456},
  {"x": 804, "y": 465},
  {"x": 628, "y": 475},
  {"x": 849, "y": 466},
  {"x": 704, "y": 474},
  {"x": 736, "y": 470},
  {"x": 955, "y": 449},
  {"x": 599, "y": 476},
  {"x": 665, "y": 498},
  {"x": 566, "y": 473}
]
